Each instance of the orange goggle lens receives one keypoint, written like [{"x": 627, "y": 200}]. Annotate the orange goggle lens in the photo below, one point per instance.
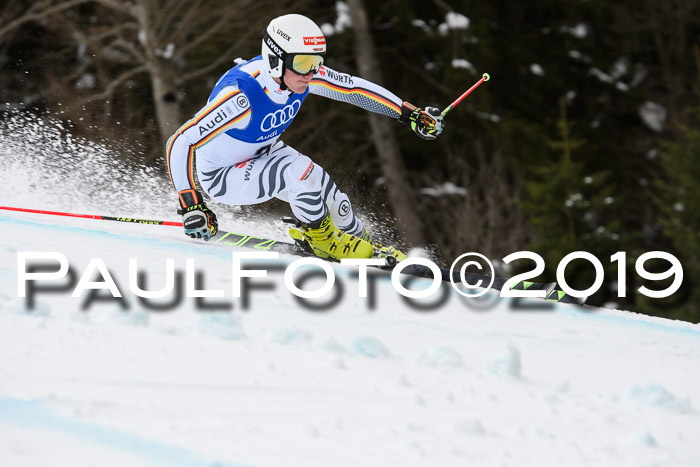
[{"x": 302, "y": 64}]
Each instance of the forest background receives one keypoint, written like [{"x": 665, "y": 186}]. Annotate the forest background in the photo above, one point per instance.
[{"x": 586, "y": 137}]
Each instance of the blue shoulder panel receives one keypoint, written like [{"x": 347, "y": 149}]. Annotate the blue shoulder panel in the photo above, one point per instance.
[{"x": 268, "y": 119}]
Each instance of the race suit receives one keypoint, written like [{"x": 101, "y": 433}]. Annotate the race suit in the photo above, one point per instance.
[{"x": 240, "y": 158}]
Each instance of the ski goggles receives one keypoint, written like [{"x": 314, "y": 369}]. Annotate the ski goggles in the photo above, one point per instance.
[{"x": 302, "y": 64}]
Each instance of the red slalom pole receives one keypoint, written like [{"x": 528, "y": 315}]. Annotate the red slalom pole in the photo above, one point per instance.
[
  {"x": 485, "y": 77},
  {"x": 92, "y": 216}
]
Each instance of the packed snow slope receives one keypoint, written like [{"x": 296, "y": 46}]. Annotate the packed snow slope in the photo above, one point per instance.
[{"x": 271, "y": 382}]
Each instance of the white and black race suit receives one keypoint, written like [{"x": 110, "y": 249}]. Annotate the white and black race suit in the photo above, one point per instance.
[{"x": 240, "y": 158}]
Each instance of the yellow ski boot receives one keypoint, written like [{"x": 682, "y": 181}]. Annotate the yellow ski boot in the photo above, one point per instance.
[
  {"x": 383, "y": 251},
  {"x": 327, "y": 241}
]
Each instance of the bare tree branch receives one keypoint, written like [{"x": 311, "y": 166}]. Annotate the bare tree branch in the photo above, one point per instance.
[
  {"x": 170, "y": 10},
  {"x": 96, "y": 38},
  {"x": 123, "y": 7},
  {"x": 411, "y": 64},
  {"x": 222, "y": 58},
  {"x": 113, "y": 85},
  {"x": 194, "y": 15},
  {"x": 39, "y": 14},
  {"x": 121, "y": 44},
  {"x": 204, "y": 37}
]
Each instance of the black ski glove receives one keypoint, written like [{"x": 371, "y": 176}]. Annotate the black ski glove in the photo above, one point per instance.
[
  {"x": 426, "y": 123},
  {"x": 199, "y": 221}
]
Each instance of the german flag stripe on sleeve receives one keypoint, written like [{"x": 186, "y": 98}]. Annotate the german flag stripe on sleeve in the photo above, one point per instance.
[
  {"x": 214, "y": 106},
  {"x": 223, "y": 128},
  {"x": 360, "y": 91},
  {"x": 190, "y": 166}
]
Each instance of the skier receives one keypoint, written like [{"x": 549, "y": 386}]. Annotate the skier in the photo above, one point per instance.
[{"x": 241, "y": 160}]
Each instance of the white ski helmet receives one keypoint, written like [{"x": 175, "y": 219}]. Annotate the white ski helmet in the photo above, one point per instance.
[{"x": 292, "y": 42}]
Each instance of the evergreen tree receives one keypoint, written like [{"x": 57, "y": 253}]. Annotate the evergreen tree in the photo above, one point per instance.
[
  {"x": 571, "y": 210},
  {"x": 679, "y": 193}
]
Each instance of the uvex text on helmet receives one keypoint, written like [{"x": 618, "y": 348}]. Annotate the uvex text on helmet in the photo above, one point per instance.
[{"x": 290, "y": 34}]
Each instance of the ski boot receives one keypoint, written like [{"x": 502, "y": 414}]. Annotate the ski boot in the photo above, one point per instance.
[
  {"x": 325, "y": 240},
  {"x": 386, "y": 252}
]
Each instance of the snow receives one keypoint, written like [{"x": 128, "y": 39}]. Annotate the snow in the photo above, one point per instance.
[
  {"x": 653, "y": 115},
  {"x": 327, "y": 29},
  {"x": 576, "y": 199},
  {"x": 342, "y": 22},
  {"x": 447, "y": 188},
  {"x": 536, "y": 69},
  {"x": 168, "y": 53},
  {"x": 86, "y": 81},
  {"x": 456, "y": 20},
  {"x": 578, "y": 56},
  {"x": 488, "y": 116},
  {"x": 453, "y": 20},
  {"x": 604, "y": 77},
  {"x": 419, "y": 23},
  {"x": 463, "y": 63},
  {"x": 640, "y": 74},
  {"x": 580, "y": 31},
  {"x": 570, "y": 96},
  {"x": 215, "y": 382},
  {"x": 620, "y": 67}
]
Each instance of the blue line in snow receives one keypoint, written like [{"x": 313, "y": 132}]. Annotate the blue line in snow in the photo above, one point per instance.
[
  {"x": 33, "y": 414},
  {"x": 632, "y": 320}
]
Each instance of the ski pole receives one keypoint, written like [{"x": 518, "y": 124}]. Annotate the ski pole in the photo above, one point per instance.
[
  {"x": 485, "y": 77},
  {"x": 92, "y": 216}
]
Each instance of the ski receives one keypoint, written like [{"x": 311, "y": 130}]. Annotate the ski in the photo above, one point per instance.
[
  {"x": 417, "y": 270},
  {"x": 261, "y": 243}
]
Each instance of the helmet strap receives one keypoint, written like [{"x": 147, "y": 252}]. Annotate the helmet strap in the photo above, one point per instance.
[{"x": 283, "y": 85}]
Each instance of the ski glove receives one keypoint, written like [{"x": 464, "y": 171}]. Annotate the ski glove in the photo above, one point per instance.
[
  {"x": 199, "y": 221},
  {"x": 426, "y": 123}
]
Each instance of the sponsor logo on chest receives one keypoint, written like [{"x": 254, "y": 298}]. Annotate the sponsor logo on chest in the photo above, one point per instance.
[
  {"x": 280, "y": 117},
  {"x": 211, "y": 122},
  {"x": 268, "y": 136}
]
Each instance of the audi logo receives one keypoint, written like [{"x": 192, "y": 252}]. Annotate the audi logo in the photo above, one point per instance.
[{"x": 280, "y": 117}]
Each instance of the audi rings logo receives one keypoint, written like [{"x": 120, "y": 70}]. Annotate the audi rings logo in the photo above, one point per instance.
[{"x": 280, "y": 117}]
